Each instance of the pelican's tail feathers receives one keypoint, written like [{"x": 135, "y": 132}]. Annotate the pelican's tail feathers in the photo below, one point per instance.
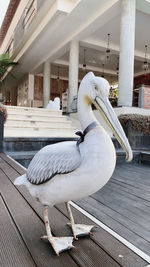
[{"x": 20, "y": 180}]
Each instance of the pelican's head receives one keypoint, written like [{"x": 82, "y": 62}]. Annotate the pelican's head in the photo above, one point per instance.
[{"x": 96, "y": 90}]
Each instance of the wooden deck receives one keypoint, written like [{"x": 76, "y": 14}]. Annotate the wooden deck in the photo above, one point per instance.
[
  {"x": 21, "y": 225},
  {"x": 123, "y": 204}
]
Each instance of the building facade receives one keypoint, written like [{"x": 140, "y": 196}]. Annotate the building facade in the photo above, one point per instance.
[{"x": 55, "y": 43}]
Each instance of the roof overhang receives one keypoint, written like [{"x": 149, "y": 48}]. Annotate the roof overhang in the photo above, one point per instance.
[{"x": 12, "y": 7}]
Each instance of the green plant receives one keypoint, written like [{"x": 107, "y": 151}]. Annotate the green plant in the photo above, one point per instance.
[
  {"x": 3, "y": 110},
  {"x": 5, "y": 62},
  {"x": 113, "y": 97}
]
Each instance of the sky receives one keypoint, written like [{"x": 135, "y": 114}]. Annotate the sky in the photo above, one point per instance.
[{"x": 3, "y": 9}]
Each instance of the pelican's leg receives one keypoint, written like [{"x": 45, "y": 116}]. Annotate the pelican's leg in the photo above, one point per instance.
[
  {"x": 59, "y": 244},
  {"x": 78, "y": 229}
]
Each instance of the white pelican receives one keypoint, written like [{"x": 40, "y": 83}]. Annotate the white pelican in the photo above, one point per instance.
[{"x": 68, "y": 171}]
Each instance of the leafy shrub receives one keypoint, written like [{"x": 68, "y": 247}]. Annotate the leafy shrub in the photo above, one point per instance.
[
  {"x": 3, "y": 110},
  {"x": 140, "y": 123}
]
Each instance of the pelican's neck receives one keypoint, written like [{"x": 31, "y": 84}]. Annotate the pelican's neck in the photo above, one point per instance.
[{"x": 85, "y": 113}]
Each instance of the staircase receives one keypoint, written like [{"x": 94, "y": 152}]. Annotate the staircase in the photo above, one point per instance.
[{"x": 37, "y": 122}]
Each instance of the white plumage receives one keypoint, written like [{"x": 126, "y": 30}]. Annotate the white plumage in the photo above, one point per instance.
[
  {"x": 53, "y": 159},
  {"x": 54, "y": 105},
  {"x": 65, "y": 171}
]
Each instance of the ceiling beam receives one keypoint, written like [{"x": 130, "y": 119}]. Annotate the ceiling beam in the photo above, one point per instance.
[
  {"x": 88, "y": 67},
  {"x": 101, "y": 46}
]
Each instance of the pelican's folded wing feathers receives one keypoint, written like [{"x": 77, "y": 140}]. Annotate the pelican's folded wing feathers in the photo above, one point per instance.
[{"x": 53, "y": 159}]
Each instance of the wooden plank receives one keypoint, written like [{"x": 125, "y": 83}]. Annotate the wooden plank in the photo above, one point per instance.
[
  {"x": 134, "y": 168},
  {"x": 31, "y": 227},
  {"x": 133, "y": 177},
  {"x": 87, "y": 253},
  {"x": 13, "y": 251},
  {"x": 139, "y": 191},
  {"x": 12, "y": 163},
  {"x": 131, "y": 199},
  {"x": 133, "y": 204},
  {"x": 114, "y": 247},
  {"x": 131, "y": 183},
  {"x": 119, "y": 206},
  {"x": 125, "y": 191},
  {"x": 111, "y": 221},
  {"x": 123, "y": 219}
]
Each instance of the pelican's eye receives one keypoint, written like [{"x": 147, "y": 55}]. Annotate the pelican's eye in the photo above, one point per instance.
[{"x": 95, "y": 87}]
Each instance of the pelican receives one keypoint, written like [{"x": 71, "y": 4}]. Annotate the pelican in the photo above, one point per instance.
[{"x": 72, "y": 170}]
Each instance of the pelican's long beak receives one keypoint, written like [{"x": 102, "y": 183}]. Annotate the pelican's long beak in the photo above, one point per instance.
[{"x": 111, "y": 119}]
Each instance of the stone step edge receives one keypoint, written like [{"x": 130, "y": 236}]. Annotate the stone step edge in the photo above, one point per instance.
[
  {"x": 36, "y": 114},
  {"x": 60, "y": 119},
  {"x": 32, "y": 123},
  {"x": 32, "y": 126},
  {"x": 31, "y": 108},
  {"x": 52, "y": 135}
]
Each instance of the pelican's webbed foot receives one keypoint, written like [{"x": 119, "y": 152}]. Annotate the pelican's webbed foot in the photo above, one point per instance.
[
  {"x": 59, "y": 244},
  {"x": 81, "y": 229},
  {"x": 78, "y": 229}
]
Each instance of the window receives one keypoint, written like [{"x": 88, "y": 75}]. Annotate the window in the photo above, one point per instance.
[{"x": 29, "y": 13}]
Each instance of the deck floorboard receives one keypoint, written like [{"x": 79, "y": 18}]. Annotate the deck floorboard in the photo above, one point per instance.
[
  {"x": 123, "y": 204},
  {"x": 25, "y": 218}
]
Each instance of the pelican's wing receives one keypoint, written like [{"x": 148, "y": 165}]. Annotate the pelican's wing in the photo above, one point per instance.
[{"x": 53, "y": 159}]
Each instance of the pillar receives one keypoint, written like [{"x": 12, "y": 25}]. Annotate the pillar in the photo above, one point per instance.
[
  {"x": 13, "y": 96},
  {"x": 126, "y": 61},
  {"x": 46, "y": 83},
  {"x": 73, "y": 72}
]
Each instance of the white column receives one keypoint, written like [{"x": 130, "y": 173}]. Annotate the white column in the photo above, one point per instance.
[
  {"x": 73, "y": 72},
  {"x": 46, "y": 83},
  {"x": 126, "y": 62}
]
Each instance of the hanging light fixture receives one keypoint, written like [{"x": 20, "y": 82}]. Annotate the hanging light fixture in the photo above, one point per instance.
[
  {"x": 84, "y": 58},
  {"x": 108, "y": 46},
  {"x": 58, "y": 78},
  {"x": 117, "y": 68},
  {"x": 145, "y": 63},
  {"x": 58, "y": 73},
  {"x": 103, "y": 65}
]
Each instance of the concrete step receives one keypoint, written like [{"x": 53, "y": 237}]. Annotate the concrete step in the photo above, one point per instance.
[
  {"x": 145, "y": 157},
  {"x": 116, "y": 143},
  {"x": 23, "y": 157},
  {"x": 20, "y": 144},
  {"x": 32, "y": 111},
  {"x": 39, "y": 117},
  {"x": 39, "y": 124},
  {"x": 37, "y": 132},
  {"x": 121, "y": 155}
]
